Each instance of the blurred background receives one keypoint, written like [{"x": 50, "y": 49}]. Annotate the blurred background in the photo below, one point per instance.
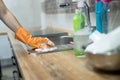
[{"x": 43, "y": 13}]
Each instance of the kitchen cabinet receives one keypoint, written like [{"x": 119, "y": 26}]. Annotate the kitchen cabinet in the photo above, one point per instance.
[
  {"x": 56, "y": 66},
  {"x": 5, "y": 48}
]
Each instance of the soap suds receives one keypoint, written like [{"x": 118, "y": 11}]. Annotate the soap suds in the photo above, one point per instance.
[
  {"x": 107, "y": 43},
  {"x": 45, "y": 49}
]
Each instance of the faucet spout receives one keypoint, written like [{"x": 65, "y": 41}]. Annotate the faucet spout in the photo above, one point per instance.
[{"x": 87, "y": 13}]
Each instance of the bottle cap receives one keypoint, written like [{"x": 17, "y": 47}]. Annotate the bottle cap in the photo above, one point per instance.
[{"x": 80, "y": 4}]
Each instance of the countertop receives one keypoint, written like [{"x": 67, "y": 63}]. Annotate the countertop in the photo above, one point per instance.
[{"x": 56, "y": 66}]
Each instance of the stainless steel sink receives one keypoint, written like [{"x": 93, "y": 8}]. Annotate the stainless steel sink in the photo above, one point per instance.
[{"x": 62, "y": 42}]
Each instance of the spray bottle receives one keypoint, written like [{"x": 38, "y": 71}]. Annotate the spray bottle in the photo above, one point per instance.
[
  {"x": 98, "y": 9},
  {"x": 102, "y": 15}
]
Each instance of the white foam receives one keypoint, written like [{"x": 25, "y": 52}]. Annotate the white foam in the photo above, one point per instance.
[
  {"x": 46, "y": 49},
  {"x": 105, "y": 44}
]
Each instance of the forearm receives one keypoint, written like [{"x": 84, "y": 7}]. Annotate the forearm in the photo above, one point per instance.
[
  {"x": 10, "y": 21},
  {"x": 8, "y": 18}
]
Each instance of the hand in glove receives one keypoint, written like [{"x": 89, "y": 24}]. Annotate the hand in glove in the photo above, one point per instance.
[{"x": 22, "y": 35}]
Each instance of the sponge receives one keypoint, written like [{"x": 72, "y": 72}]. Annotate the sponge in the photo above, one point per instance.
[
  {"x": 39, "y": 50},
  {"x": 46, "y": 49}
]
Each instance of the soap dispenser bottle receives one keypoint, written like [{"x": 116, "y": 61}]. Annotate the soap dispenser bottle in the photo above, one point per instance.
[{"x": 79, "y": 31}]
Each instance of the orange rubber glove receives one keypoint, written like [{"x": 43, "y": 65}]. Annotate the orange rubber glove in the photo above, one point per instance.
[{"x": 22, "y": 35}]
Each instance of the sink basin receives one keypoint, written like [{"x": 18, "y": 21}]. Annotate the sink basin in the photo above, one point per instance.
[{"x": 62, "y": 42}]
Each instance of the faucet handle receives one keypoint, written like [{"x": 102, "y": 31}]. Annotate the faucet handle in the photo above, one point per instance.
[{"x": 64, "y": 5}]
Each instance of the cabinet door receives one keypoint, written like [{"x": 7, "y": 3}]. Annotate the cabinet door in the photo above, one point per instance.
[{"x": 5, "y": 48}]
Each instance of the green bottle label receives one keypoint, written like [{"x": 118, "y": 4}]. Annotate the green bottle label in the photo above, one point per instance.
[{"x": 78, "y": 22}]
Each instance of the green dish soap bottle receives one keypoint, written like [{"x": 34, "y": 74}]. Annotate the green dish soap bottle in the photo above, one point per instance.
[{"x": 78, "y": 25}]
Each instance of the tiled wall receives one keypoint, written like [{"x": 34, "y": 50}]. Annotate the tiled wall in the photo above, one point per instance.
[{"x": 52, "y": 7}]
